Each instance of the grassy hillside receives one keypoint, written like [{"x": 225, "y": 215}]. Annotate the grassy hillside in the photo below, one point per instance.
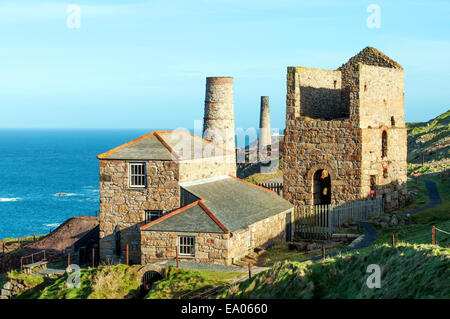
[
  {"x": 431, "y": 138},
  {"x": 180, "y": 281},
  {"x": 408, "y": 271},
  {"x": 104, "y": 282},
  {"x": 122, "y": 281}
]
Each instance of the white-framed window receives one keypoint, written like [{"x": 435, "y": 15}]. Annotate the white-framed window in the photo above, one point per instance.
[
  {"x": 186, "y": 245},
  {"x": 151, "y": 215},
  {"x": 138, "y": 177}
]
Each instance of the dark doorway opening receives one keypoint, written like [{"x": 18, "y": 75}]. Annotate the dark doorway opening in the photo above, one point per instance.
[
  {"x": 322, "y": 187},
  {"x": 149, "y": 278},
  {"x": 288, "y": 226}
]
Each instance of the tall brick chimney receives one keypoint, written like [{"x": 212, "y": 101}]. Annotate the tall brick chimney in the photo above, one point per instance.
[{"x": 218, "y": 121}]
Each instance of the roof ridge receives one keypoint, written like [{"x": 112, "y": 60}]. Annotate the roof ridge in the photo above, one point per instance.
[
  {"x": 210, "y": 214},
  {"x": 166, "y": 145},
  {"x": 244, "y": 181}
]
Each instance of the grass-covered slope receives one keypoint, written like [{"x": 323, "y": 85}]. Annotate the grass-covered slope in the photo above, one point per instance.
[
  {"x": 104, "y": 282},
  {"x": 408, "y": 271},
  {"x": 179, "y": 282},
  {"x": 431, "y": 138}
]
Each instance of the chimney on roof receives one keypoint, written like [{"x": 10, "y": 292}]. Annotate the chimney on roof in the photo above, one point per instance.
[{"x": 218, "y": 121}]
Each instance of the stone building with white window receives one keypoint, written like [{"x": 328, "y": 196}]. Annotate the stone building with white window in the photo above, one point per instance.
[
  {"x": 171, "y": 193},
  {"x": 345, "y": 136}
]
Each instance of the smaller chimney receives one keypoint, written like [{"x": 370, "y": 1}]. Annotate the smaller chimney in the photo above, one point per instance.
[{"x": 264, "y": 124}]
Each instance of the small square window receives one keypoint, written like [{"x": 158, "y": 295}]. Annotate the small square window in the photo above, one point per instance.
[
  {"x": 151, "y": 215},
  {"x": 186, "y": 246},
  {"x": 138, "y": 176}
]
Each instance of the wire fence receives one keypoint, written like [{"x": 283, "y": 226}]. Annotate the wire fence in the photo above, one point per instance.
[{"x": 430, "y": 237}]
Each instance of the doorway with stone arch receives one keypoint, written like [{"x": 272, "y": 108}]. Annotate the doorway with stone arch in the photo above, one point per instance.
[{"x": 322, "y": 187}]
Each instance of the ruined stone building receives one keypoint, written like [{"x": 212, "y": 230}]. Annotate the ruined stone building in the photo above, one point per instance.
[
  {"x": 172, "y": 193},
  {"x": 345, "y": 136}
]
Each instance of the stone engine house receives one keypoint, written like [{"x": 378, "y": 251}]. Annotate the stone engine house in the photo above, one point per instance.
[
  {"x": 345, "y": 136},
  {"x": 172, "y": 193}
]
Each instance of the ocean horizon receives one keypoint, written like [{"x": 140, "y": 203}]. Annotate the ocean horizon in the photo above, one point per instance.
[{"x": 39, "y": 164}]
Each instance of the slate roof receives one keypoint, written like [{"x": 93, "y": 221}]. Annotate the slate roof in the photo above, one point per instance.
[
  {"x": 165, "y": 145},
  {"x": 226, "y": 204}
]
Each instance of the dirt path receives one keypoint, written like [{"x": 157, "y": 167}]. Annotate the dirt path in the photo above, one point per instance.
[{"x": 433, "y": 195}]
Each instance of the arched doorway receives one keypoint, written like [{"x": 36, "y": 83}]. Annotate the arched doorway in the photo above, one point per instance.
[
  {"x": 322, "y": 187},
  {"x": 149, "y": 278}
]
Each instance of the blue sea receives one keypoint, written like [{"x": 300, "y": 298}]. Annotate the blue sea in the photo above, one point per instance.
[{"x": 35, "y": 165}]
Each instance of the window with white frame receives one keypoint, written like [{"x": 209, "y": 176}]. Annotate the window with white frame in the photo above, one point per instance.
[
  {"x": 186, "y": 245},
  {"x": 137, "y": 175},
  {"x": 151, "y": 215}
]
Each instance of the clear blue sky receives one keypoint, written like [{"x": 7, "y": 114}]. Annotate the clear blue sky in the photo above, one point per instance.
[{"x": 142, "y": 64}]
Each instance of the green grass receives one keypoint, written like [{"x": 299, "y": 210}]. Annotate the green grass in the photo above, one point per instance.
[
  {"x": 408, "y": 271},
  {"x": 29, "y": 279},
  {"x": 281, "y": 252},
  {"x": 421, "y": 199},
  {"x": 420, "y": 230},
  {"x": 442, "y": 212},
  {"x": 104, "y": 282},
  {"x": 180, "y": 281},
  {"x": 430, "y": 138},
  {"x": 259, "y": 177}
]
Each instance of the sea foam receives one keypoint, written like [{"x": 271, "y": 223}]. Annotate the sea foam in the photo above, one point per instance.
[{"x": 10, "y": 199}]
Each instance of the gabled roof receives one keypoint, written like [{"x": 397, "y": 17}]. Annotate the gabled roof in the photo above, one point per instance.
[
  {"x": 166, "y": 145},
  {"x": 194, "y": 217},
  {"x": 228, "y": 201},
  {"x": 372, "y": 56}
]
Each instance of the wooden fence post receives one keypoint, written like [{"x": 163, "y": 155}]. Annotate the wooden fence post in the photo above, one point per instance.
[
  {"x": 93, "y": 255},
  {"x": 393, "y": 240},
  {"x": 249, "y": 270},
  {"x": 176, "y": 255},
  {"x": 127, "y": 254},
  {"x": 432, "y": 235},
  {"x": 68, "y": 260}
]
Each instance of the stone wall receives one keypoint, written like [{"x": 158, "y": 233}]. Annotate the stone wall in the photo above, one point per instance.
[
  {"x": 313, "y": 145},
  {"x": 207, "y": 167},
  {"x": 390, "y": 172},
  {"x": 210, "y": 248},
  {"x": 320, "y": 93},
  {"x": 372, "y": 92},
  {"x": 122, "y": 207},
  {"x": 261, "y": 232},
  {"x": 382, "y": 109},
  {"x": 381, "y": 97}
]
